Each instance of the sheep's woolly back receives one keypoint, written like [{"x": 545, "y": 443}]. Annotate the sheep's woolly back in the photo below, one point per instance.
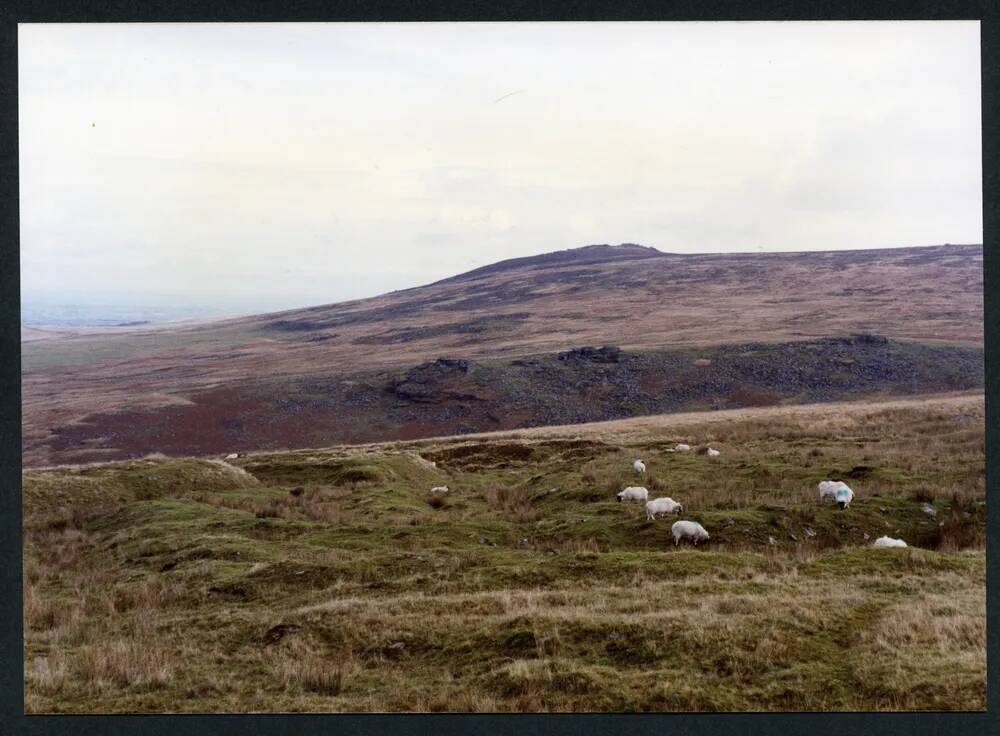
[
  {"x": 688, "y": 530},
  {"x": 665, "y": 505},
  {"x": 634, "y": 493},
  {"x": 888, "y": 542}
]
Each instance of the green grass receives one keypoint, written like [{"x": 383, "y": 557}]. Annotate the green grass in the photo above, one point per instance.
[{"x": 192, "y": 586}]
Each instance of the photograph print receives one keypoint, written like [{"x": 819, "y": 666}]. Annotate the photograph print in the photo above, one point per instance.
[{"x": 502, "y": 367}]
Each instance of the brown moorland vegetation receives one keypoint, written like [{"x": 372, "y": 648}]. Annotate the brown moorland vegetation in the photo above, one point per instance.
[{"x": 212, "y": 373}]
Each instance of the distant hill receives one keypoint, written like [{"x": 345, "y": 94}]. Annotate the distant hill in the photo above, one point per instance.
[
  {"x": 571, "y": 257},
  {"x": 90, "y": 396}
]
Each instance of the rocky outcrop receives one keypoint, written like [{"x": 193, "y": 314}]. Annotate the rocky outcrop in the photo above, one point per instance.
[
  {"x": 434, "y": 382},
  {"x": 606, "y": 354}
]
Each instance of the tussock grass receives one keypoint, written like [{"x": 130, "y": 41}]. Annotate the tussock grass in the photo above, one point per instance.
[
  {"x": 313, "y": 673},
  {"x": 515, "y": 503},
  {"x": 121, "y": 663}
]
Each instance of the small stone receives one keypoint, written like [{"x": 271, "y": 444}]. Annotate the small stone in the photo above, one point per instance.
[
  {"x": 929, "y": 510},
  {"x": 772, "y": 540},
  {"x": 809, "y": 532},
  {"x": 866, "y": 535},
  {"x": 397, "y": 645},
  {"x": 794, "y": 538}
]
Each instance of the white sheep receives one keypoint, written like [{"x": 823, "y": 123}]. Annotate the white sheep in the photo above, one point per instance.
[
  {"x": 843, "y": 496},
  {"x": 639, "y": 466},
  {"x": 662, "y": 506},
  {"x": 689, "y": 530},
  {"x": 681, "y": 447},
  {"x": 712, "y": 452},
  {"x": 232, "y": 456},
  {"x": 634, "y": 493},
  {"x": 439, "y": 489},
  {"x": 888, "y": 542},
  {"x": 828, "y": 489}
]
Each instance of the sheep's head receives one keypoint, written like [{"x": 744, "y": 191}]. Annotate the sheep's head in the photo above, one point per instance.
[
  {"x": 679, "y": 510},
  {"x": 842, "y": 504},
  {"x": 619, "y": 495}
]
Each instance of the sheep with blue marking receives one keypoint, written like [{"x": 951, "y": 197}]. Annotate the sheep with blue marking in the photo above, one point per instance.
[{"x": 843, "y": 496}]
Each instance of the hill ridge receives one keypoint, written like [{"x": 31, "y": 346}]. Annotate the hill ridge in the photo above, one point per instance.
[
  {"x": 581, "y": 255},
  {"x": 636, "y": 298}
]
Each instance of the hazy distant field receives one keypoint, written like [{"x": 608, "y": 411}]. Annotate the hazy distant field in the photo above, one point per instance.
[{"x": 330, "y": 580}]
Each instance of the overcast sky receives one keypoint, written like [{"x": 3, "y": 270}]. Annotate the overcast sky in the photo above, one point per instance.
[{"x": 254, "y": 167}]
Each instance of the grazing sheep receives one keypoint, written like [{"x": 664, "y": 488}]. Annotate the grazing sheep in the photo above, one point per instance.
[
  {"x": 661, "y": 506},
  {"x": 689, "y": 530},
  {"x": 639, "y": 466},
  {"x": 681, "y": 447},
  {"x": 843, "y": 496},
  {"x": 828, "y": 489},
  {"x": 439, "y": 489},
  {"x": 634, "y": 493},
  {"x": 712, "y": 452},
  {"x": 888, "y": 542}
]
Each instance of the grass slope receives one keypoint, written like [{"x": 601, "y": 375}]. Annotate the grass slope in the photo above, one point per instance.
[{"x": 330, "y": 580}]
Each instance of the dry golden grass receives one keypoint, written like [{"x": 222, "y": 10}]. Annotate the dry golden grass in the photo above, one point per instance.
[
  {"x": 302, "y": 666},
  {"x": 515, "y": 503}
]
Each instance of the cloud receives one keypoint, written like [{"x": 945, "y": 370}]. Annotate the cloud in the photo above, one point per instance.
[{"x": 310, "y": 163}]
